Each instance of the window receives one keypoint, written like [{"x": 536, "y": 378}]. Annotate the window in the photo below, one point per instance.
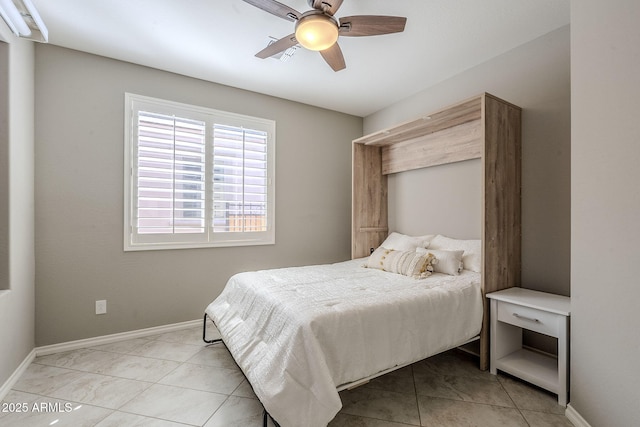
[{"x": 196, "y": 177}]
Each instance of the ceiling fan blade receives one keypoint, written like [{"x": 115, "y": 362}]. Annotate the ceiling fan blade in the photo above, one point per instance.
[
  {"x": 334, "y": 57},
  {"x": 329, "y": 6},
  {"x": 276, "y": 8},
  {"x": 371, "y": 25},
  {"x": 277, "y": 47}
]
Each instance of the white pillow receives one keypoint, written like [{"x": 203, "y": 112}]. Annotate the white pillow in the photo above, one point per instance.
[
  {"x": 472, "y": 257},
  {"x": 427, "y": 238},
  {"x": 447, "y": 262},
  {"x": 402, "y": 242},
  {"x": 408, "y": 263}
]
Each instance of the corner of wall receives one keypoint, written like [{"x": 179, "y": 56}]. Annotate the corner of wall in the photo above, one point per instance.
[{"x": 17, "y": 225}]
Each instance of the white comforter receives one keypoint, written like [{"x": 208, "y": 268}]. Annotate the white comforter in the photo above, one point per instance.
[{"x": 299, "y": 333}]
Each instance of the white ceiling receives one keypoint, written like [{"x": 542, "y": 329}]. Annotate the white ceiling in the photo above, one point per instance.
[{"x": 216, "y": 40}]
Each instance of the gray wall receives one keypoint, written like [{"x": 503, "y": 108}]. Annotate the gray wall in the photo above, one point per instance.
[
  {"x": 79, "y": 198},
  {"x": 605, "y": 206},
  {"x": 17, "y": 205},
  {"x": 534, "y": 76},
  {"x": 445, "y": 200}
]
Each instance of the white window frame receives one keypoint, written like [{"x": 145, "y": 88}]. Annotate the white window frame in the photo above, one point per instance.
[{"x": 140, "y": 242}]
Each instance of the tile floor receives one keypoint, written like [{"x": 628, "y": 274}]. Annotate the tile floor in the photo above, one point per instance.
[{"x": 174, "y": 379}]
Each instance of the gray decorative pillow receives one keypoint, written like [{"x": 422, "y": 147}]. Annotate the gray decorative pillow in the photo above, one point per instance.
[{"x": 472, "y": 258}]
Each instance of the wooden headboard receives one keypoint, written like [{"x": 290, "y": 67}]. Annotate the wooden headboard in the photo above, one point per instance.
[{"x": 483, "y": 127}]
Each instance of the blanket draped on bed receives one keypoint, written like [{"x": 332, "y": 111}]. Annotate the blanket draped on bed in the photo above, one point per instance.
[{"x": 299, "y": 333}]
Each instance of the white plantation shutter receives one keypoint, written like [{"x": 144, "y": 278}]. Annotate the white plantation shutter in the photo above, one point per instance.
[
  {"x": 239, "y": 179},
  {"x": 196, "y": 177},
  {"x": 171, "y": 175}
]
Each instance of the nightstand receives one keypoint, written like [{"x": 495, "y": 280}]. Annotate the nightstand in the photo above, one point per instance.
[{"x": 515, "y": 309}]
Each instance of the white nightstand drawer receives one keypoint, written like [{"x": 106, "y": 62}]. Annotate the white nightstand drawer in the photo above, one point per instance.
[{"x": 529, "y": 318}]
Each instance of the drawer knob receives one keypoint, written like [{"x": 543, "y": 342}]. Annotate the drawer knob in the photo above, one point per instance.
[{"x": 531, "y": 319}]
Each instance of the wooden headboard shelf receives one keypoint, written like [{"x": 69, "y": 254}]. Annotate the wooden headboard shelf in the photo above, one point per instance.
[
  {"x": 463, "y": 112},
  {"x": 483, "y": 127}
]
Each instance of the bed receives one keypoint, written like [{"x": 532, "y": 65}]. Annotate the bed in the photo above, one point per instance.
[{"x": 302, "y": 334}]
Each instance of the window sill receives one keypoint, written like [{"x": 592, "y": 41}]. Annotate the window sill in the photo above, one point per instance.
[{"x": 169, "y": 246}]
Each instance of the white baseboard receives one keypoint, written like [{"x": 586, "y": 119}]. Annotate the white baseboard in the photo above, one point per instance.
[
  {"x": 13, "y": 379},
  {"x": 89, "y": 342},
  {"x": 575, "y": 418},
  {"x": 108, "y": 339}
]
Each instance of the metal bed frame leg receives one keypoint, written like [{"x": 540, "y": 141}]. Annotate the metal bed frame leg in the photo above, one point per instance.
[
  {"x": 204, "y": 332},
  {"x": 265, "y": 419}
]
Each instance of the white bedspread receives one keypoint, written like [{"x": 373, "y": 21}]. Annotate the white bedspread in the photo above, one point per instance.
[{"x": 299, "y": 333}]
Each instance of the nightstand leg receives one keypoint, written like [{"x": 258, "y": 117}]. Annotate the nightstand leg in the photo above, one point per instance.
[
  {"x": 505, "y": 338},
  {"x": 492, "y": 337},
  {"x": 563, "y": 343}
]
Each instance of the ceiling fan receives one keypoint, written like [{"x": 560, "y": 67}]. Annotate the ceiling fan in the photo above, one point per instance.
[{"x": 318, "y": 29}]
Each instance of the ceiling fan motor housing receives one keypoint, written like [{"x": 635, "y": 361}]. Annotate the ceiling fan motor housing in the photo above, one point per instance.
[{"x": 311, "y": 2}]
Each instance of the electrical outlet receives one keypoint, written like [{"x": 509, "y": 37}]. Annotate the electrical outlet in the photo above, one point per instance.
[{"x": 101, "y": 306}]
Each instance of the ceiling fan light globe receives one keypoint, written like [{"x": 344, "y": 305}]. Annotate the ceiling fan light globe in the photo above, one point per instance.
[{"x": 316, "y": 32}]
